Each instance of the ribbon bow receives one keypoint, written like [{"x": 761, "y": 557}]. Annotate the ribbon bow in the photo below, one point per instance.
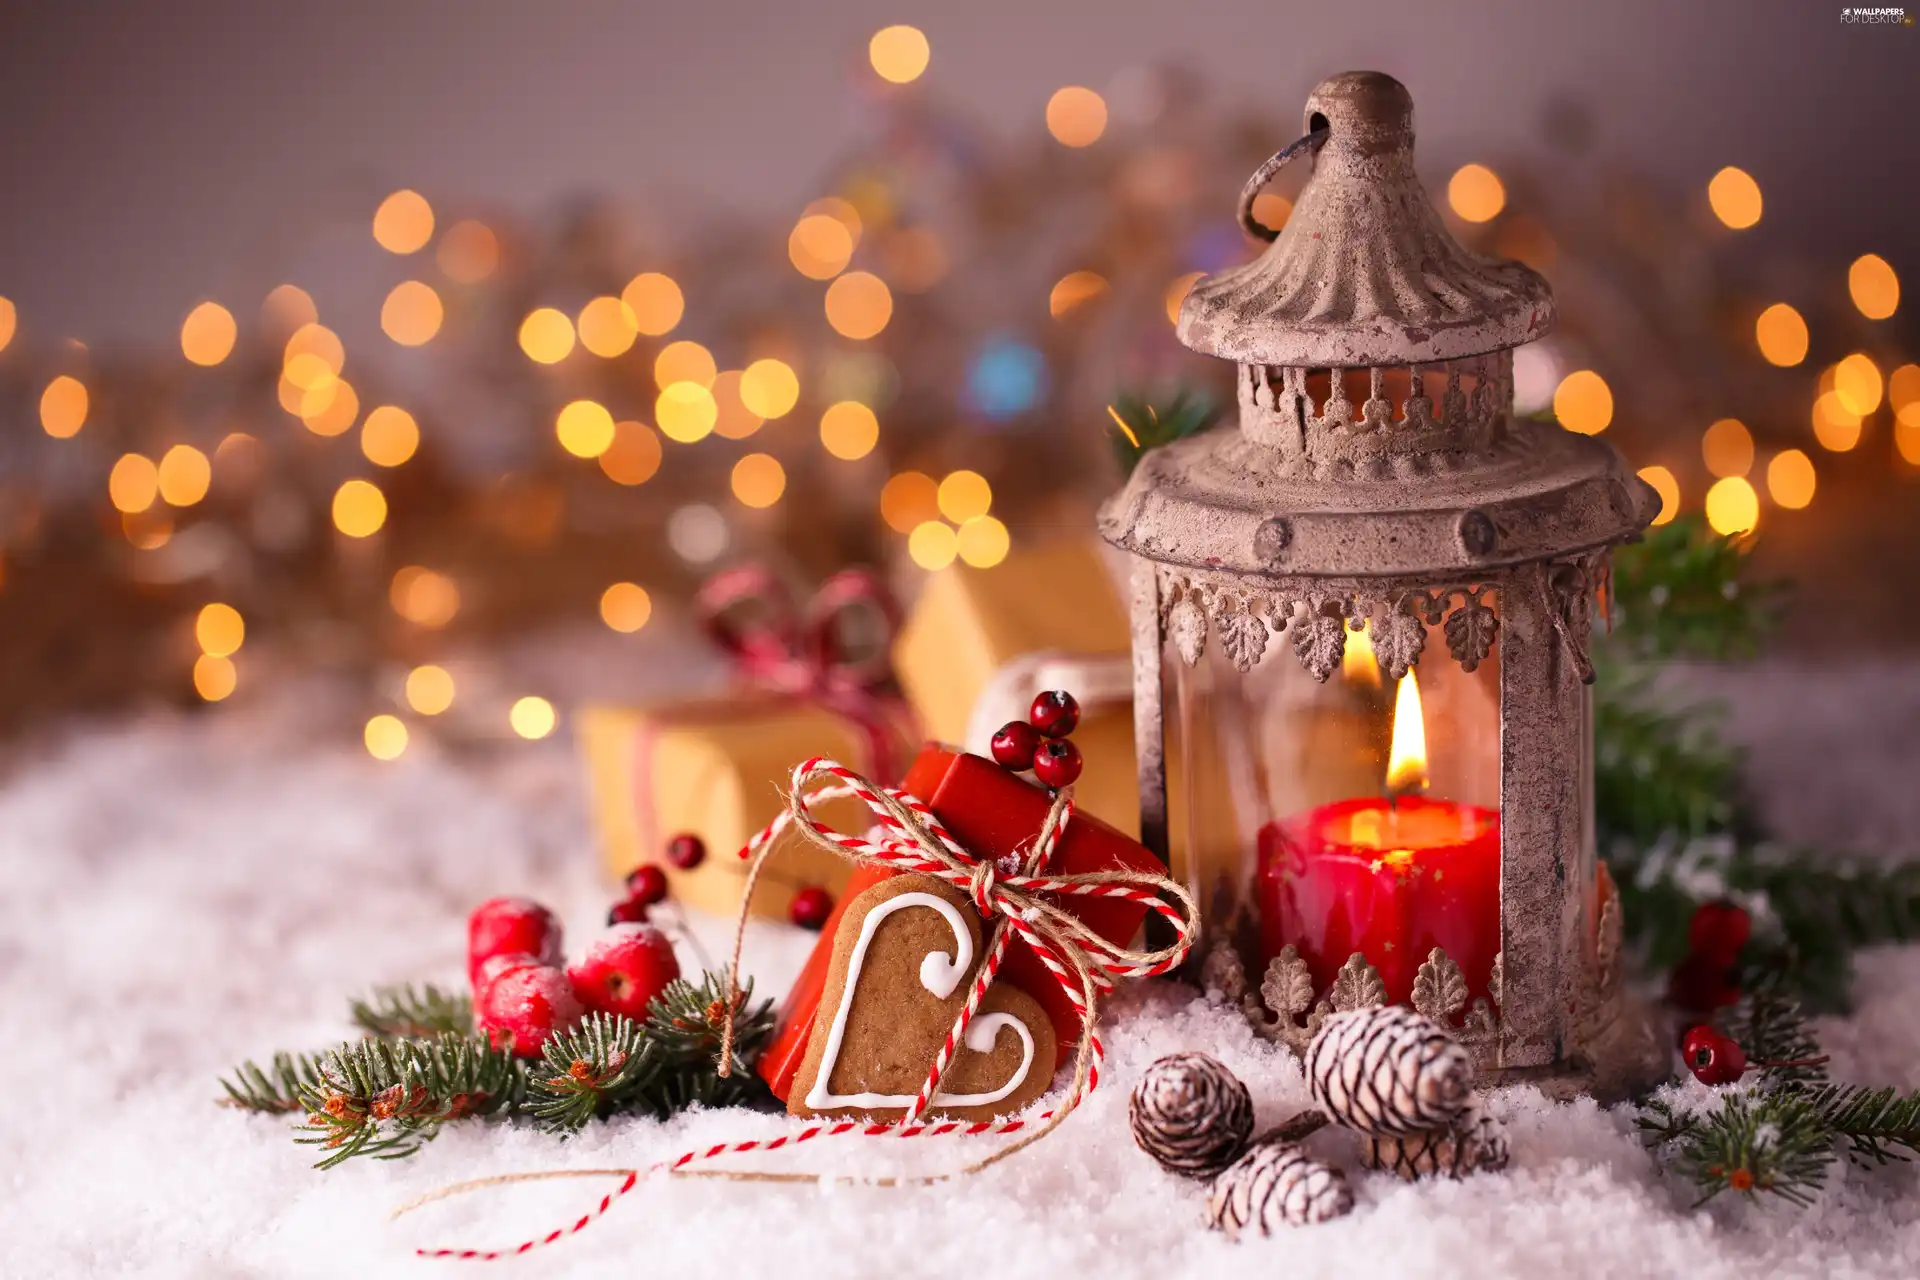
[
  {"x": 819, "y": 652},
  {"x": 1016, "y": 898}
]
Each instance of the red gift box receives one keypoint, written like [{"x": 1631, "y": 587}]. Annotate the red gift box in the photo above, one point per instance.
[{"x": 992, "y": 814}]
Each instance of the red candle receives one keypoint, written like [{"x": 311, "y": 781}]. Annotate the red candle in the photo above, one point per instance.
[{"x": 1390, "y": 877}]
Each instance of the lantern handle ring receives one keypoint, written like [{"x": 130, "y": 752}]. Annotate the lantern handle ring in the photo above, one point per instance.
[{"x": 1264, "y": 174}]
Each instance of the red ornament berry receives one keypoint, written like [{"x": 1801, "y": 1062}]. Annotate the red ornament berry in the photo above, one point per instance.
[
  {"x": 1055, "y": 713},
  {"x": 1701, "y": 984},
  {"x": 811, "y": 907},
  {"x": 523, "y": 1006},
  {"x": 1713, "y": 1056},
  {"x": 1014, "y": 745},
  {"x": 686, "y": 851},
  {"x": 647, "y": 884},
  {"x": 624, "y": 969},
  {"x": 511, "y": 926},
  {"x": 494, "y": 967},
  {"x": 1719, "y": 930},
  {"x": 629, "y": 911},
  {"x": 1058, "y": 763}
]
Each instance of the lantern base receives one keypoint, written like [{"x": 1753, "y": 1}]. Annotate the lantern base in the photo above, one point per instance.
[{"x": 1630, "y": 1059}]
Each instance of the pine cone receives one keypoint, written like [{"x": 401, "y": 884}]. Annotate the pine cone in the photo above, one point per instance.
[
  {"x": 1475, "y": 1141},
  {"x": 1389, "y": 1071},
  {"x": 1191, "y": 1114},
  {"x": 1275, "y": 1185}
]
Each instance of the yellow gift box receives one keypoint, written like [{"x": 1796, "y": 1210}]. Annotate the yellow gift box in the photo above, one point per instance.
[{"x": 718, "y": 768}]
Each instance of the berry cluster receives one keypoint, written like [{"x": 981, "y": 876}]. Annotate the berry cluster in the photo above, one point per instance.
[
  {"x": 1040, "y": 741},
  {"x": 1706, "y": 980}
]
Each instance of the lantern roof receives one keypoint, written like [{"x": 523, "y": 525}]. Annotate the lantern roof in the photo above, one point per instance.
[{"x": 1364, "y": 272}]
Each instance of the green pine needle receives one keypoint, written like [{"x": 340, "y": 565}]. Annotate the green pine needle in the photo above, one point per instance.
[
  {"x": 1140, "y": 425},
  {"x": 592, "y": 1070},
  {"x": 275, "y": 1090},
  {"x": 388, "y": 1098},
  {"x": 413, "y": 1013},
  {"x": 1777, "y": 1143}
]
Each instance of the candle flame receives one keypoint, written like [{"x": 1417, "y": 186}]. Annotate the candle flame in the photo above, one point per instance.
[
  {"x": 1357, "y": 663},
  {"x": 1407, "y": 759}
]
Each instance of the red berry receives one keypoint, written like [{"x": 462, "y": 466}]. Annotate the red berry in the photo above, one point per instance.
[
  {"x": 1055, "y": 713},
  {"x": 509, "y": 926},
  {"x": 1701, "y": 984},
  {"x": 494, "y": 967},
  {"x": 629, "y": 911},
  {"x": 647, "y": 884},
  {"x": 624, "y": 969},
  {"x": 686, "y": 851},
  {"x": 811, "y": 907},
  {"x": 1014, "y": 745},
  {"x": 1712, "y": 1056},
  {"x": 1719, "y": 930},
  {"x": 1058, "y": 763},
  {"x": 522, "y": 1007}
]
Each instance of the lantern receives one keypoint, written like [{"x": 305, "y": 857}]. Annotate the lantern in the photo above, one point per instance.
[{"x": 1361, "y": 625}]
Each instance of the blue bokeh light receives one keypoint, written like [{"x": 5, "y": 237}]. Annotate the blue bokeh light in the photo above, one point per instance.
[{"x": 1008, "y": 378}]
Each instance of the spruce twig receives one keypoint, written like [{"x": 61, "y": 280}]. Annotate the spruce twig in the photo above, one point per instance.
[
  {"x": 1776, "y": 1142},
  {"x": 605, "y": 1062},
  {"x": 388, "y": 1098},
  {"x": 413, "y": 1013},
  {"x": 1141, "y": 426},
  {"x": 1871, "y": 1120},
  {"x": 275, "y": 1090}
]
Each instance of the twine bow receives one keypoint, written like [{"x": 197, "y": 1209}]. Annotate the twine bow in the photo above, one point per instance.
[{"x": 1017, "y": 897}]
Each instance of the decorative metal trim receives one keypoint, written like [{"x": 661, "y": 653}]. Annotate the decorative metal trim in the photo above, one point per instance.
[
  {"x": 1277, "y": 410},
  {"x": 1285, "y": 1010}
]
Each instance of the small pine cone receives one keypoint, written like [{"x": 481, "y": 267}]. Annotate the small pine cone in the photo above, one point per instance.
[
  {"x": 1389, "y": 1071},
  {"x": 1475, "y": 1141},
  {"x": 1191, "y": 1114},
  {"x": 1275, "y": 1185}
]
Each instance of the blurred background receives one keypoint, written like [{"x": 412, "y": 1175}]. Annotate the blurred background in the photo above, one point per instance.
[{"x": 432, "y": 355}]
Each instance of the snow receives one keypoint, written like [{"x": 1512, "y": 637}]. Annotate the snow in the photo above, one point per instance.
[{"x": 184, "y": 892}]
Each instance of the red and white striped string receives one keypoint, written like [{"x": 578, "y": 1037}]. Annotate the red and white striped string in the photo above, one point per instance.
[{"x": 913, "y": 839}]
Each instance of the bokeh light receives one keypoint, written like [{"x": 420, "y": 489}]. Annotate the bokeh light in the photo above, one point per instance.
[
  {"x": 546, "y": 335},
  {"x": 214, "y": 678},
  {"x": 963, "y": 495},
  {"x": 403, "y": 223},
  {"x": 331, "y": 408},
  {"x": 1727, "y": 448},
  {"x": 859, "y": 304},
  {"x": 625, "y": 606},
  {"x": 184, "y": 475},
  {"x": 469, "y": 252},
  {"x": 1903, "y": 393},
  {"x": 759, "y": 480},
  {"x": 386, "y": 737},
  {"x": 1076, "y": 116},
  {"x": 1476, "y": 193},
  {"x": 684, "y": 362},
  {"x": 359, "y": 508},
  {"x": 1667, "y": 487},
  {"x": 1790, "y": 479},
  {"x": 1874, "y": 286},
  {"x": 849, "y": 430},
  {"x": 1732, "y": 506},
  {"x": 1735, "y": 198},
  {"x": 133, "y": 483},
  {"x": 899, "y": 53},
  {"x": 412, "y": 313},
  {"x": 219, "y": 630},
  {"x": 1906, "y": 439},
  {"x": 1583, "y": 402},
  {"x": 983, "y": 542},
  {"x": 769, "y": 388},
  {"x": 1782, "y": 335},
  {"x": 1856, "y": 380},
  {"x": 933, "y": 545},
  {"x": 389, "y": 436},
  {"x": 685, "y": 411},
  {"x": 429, "y": 689},
  {"x": 63, "y": 407},
  {"x": 732, "y": 418},
  {"x": 312, "y": 355},
  {"x": 1073, "y": 289},
  {"x": 584, "y": 428},
  {"x": 1271, "y": 210},
  {"x": 1177, "y": 290},
  {"x": 9, "y": 321},
  {"x": 1835, "y": 426},
  {"x": 634, "y": 455},
  {"x": 206, "y": 335},
  {"x": 532, "y": 717},
  {"x": 608, "y": 327},
  {"x": 287, "y": 307},
  {"x": 424, "y": 597},
  {"x": 908, "y": 500},
  {"x": 655, "y": 301},
  {"x": 819, "y": 246},
  {"x": 698, "y": 533}
]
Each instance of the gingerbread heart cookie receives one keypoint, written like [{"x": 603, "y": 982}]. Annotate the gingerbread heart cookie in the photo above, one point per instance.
[{"x": 904, "y": 959}]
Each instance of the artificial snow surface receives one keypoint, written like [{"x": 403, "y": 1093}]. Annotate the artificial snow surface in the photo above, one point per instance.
[{"x": 182, "y": 893}]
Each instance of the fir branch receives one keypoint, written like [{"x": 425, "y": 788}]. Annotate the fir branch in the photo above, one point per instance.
[
  {"x": 1683, "y": 591},
  {"x": 413, "y": 1013},
  {"x": 1871, "y": 1120},
  {"x": 388, "y": 1098},
  {"x": 1141, "y": 426},
  {"x": 685, "y": 1021},
  {"x": 1769, "y": 1027},
  {"x": 275, "y": 1090},
  {"x": 604, "y": 1064},
  {"x": 1776, "y": 1142},
  {"x": 1660, "y": 1123}
]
